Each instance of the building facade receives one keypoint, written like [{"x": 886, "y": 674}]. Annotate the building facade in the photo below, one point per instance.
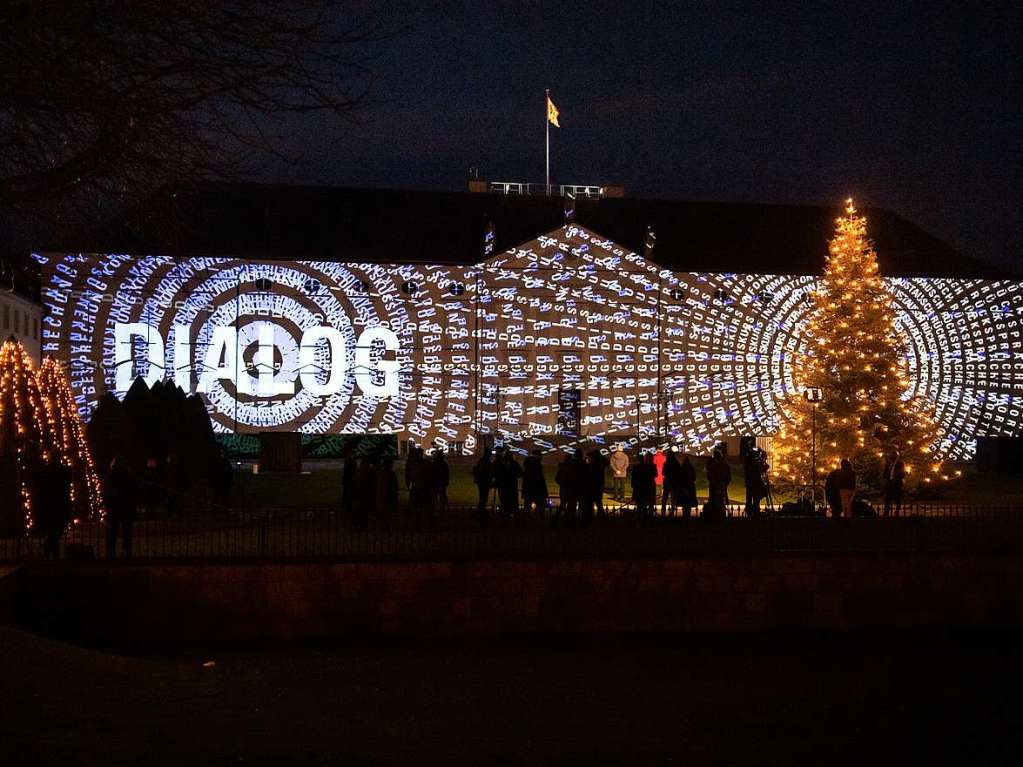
[
  {"x": 567, "y": 339},
  {"x": 21, "y": 318}
]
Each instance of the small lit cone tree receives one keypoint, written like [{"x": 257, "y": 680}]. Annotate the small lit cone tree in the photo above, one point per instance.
[
  {"x": 70, "y": 440},
  {"x": 856, "y": 356},
  {"x": 26, "y": 437}
]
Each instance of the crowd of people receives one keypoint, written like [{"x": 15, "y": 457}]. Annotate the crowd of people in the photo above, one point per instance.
[
  {"x": 506, "y": 489},
  {"x": 369, "y": 489},
  {"x": 510, "y": 490},
  {"x": 840, "y": 486}
]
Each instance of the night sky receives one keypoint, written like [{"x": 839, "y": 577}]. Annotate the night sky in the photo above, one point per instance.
[{"x": 910, "y": 106}]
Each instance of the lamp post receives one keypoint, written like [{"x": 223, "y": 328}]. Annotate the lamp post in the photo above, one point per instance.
[{"x": 813, "y": 396}]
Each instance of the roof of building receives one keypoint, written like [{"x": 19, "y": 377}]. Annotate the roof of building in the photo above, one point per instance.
[{"x": 384, "y": 225}]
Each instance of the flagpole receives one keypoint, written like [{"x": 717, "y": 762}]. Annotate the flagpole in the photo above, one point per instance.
[{"x": 547, "y": 140}]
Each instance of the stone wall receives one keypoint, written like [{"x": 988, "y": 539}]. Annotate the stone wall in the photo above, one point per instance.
[{"x": 216, "y": 602}]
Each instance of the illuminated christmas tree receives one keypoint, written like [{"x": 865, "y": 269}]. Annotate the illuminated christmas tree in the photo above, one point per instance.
[
  {"x": 69, "y": 439},
  {"x": 25, "y": 435},
  {"x": 856, "y": 356}
]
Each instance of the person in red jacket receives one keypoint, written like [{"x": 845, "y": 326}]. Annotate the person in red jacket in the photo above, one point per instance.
[{"x": 659, "y": 460}]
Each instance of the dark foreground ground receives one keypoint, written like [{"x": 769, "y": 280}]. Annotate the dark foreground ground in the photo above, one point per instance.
[{"x": 705, "y": 700}]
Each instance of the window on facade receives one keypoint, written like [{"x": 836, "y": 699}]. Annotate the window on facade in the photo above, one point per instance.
[
  {"x": 35, "y": 328},
  {"x": 7, "y": 317},
  {"x": 17, "y": 321}
]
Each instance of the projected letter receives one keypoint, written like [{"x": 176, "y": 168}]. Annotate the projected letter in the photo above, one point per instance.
[
  {"x": 182, "y": 358},
  {"x": 266, "y": 385},
  {"x": 223, "y": 346},
  {"x": 336, "y": 369},
  {"x": 124, "y": 358},
  {"x": 366, "y": 369}
]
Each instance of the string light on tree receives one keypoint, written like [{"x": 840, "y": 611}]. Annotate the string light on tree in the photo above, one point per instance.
[
  {"x": 856, "y": 356},
  {"x": 69, "y": 439},
  {"x": 25, "y": 432}
]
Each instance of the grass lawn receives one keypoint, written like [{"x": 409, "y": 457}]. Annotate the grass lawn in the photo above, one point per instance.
[{"x": 321, "y": 486}]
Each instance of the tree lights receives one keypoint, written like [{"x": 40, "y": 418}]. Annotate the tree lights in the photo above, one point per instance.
[
  {"x": 857, "y": 358},
  {"x": 38, "y": 419},
  {"x": 25, "y": 435},
  {"x": 69, "y": 439}
]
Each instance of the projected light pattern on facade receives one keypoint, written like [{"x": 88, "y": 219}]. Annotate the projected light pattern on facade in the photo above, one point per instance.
[{"x": 445, "y": 354}]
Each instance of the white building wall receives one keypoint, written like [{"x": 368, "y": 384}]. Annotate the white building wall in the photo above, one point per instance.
[{"x": 22, "y": 319}]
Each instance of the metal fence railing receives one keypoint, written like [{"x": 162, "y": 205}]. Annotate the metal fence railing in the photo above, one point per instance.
[{"x": 289, "y": 533}]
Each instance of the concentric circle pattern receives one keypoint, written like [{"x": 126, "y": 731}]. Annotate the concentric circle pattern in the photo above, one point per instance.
[{"x": 338, "y": 347}]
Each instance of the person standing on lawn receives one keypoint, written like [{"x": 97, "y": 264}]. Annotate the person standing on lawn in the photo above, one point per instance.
[
  {"x": 120, "y": 494},
  {"x": 507, "y": 478},
  {"x": 845, "y": 482},
  {"x": 719, "y": 475},
  {"x": 440, "y": 476},
  {"x": 686, "y": 486},
  {"x": 894, "y": 474},
  {"x": 534, "y": 484},
  {"x": 597, "y": 479},
  {"x": 483, "y": 478},
  {"x": 569, "y": 479},
  {"x": 619, "y": 471},
  {"x": 669, "y": 488},
  {"x": 366, "y": 484},
  {"x": 386, "y": 505},
  {"x": 53, "y": 505}
]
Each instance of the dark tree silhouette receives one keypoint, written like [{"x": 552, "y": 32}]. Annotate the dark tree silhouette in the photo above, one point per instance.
[
  {"x": 102, "y": 101},
  {"x": 108, "y": 431},
  {"x": 159, "y": 424}
]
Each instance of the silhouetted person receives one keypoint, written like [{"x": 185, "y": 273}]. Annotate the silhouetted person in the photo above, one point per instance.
[
  {"x": 121, "y": 496},
  {"x": 644, "y": 483},
  {"x": 686, "y": 486},
  {"x": 420, "y": 487},
  {"x": 387, "y": 493},
  {"x": 483, "y": 478},
  {"x": 152, "y": 486},
  {"x": 586, "y": 494},
  {"x": 597, "y": 478},
  {"x": 845, "y": 481},
  {"x": 221, "y": 481},
  {"x": 569, "y": 479},
  {"x": 534, "y": 484},
  {"x": 366, "y": 493},
  {"x": 506, "y": 476},
  {"x": 719, "y": 475},
  {"x": 831, "y": 496},
  {"x": 619, "y": 473},
  {"x": 53, "y": 509},
  {"x": 894, "y": 474},
  {"x": 753, "y": 468},
  {"x": 585, "y": 488},
  {"x": 669, "y": 487},
  {"x": 348, "y": 472},
  {"x": 440, "y": 476}
]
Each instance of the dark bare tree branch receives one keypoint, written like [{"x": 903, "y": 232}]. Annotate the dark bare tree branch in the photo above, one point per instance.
[{"x": 102, "y": 101}]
